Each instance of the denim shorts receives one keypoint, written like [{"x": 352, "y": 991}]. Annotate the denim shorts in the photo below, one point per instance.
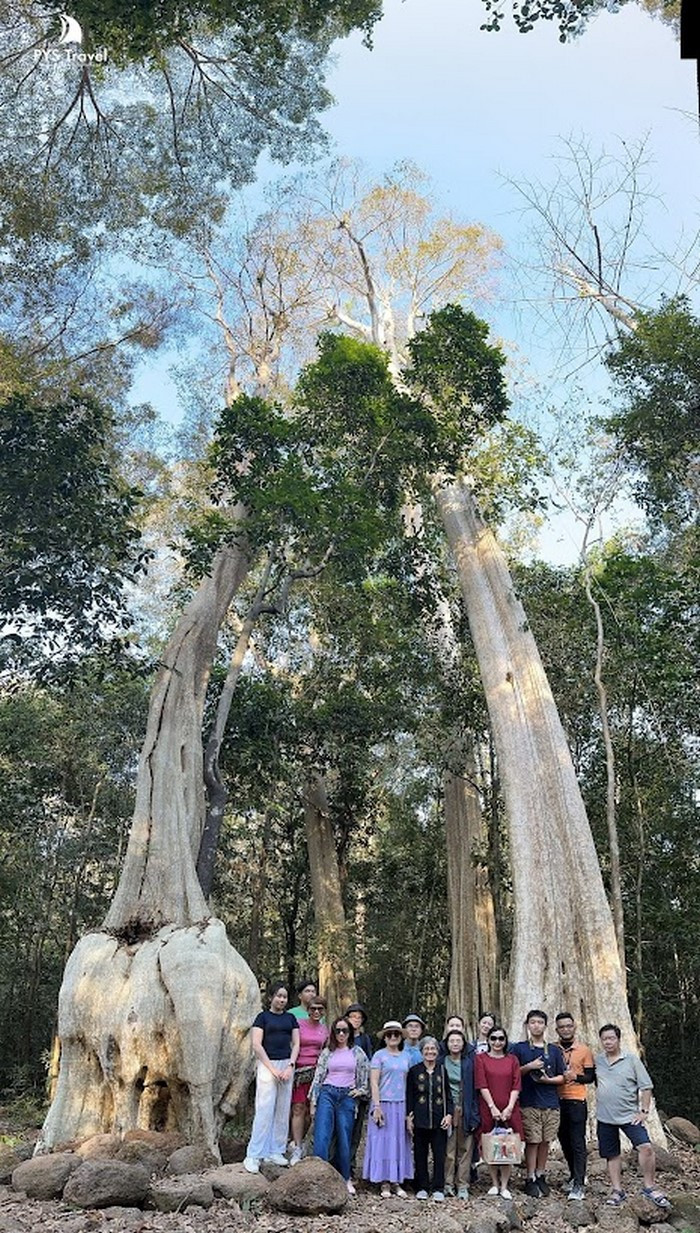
[{"x": 609, "y": 1137}]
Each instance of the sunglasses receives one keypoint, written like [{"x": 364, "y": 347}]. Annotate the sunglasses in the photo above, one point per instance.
[
  {"x": 341, "y": 1031},
  {"x": 388, "y": 1034},
  {"x": 497, "y": 1038},
  {"x": 316, "y": 1008}
]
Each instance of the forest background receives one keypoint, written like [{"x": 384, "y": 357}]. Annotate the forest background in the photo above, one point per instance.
[{"x": 156, "y": 315}]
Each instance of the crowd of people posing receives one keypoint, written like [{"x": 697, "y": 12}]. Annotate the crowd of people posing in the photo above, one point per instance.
[{"x": 428, "y": 1103}]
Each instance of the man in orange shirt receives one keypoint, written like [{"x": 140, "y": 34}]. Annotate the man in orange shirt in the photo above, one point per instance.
[{"x": 573, "y": 1106}]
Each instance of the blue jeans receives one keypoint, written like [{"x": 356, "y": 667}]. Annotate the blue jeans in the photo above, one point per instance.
[{"x": 335, "y": 1113}]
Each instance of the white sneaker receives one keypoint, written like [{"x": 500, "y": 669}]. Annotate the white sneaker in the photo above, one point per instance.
[
  {"x": 438, "y": 1196},
  {"x": 278, "y": 1160},
  {"x": 421, "y": 1194},
  {"x": 576, "y": 1194},
  {"x": 505, "y": 1193},
  {"x": 296, "y": 1155},
  {"x": 251, "y": 1165},
  {"x": 350, "y": 1187},
  {"x": 492, "y": 1192}
]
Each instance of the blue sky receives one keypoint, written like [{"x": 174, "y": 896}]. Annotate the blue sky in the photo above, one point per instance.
[{"x": 471, "y": 107}]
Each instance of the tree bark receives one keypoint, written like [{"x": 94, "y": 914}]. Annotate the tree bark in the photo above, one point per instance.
[
  {"x": 473, "y": 967},
  {"x": 335, "y": 963},
  {"x": 564, "y": 953},
  {"x": 155, "y": 1007}
]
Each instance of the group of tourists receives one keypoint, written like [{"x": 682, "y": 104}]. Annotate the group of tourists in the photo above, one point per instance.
[{"x": 434, "y": 1108}]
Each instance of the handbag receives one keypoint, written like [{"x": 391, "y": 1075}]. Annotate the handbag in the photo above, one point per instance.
[{"x": 502, "y": 1146}]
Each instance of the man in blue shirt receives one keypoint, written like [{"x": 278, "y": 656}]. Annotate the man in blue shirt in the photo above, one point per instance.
[{"x": 542, "y": 1072}]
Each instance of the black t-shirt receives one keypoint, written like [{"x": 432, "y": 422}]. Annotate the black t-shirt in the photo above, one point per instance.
[{"x": 277, "y": 1033}]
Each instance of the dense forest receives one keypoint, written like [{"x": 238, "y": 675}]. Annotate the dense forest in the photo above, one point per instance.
[{"x": 373, "y": 781}]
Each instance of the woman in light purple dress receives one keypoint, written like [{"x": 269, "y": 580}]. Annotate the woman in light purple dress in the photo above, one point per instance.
[{"x": 388, "y": 1155}]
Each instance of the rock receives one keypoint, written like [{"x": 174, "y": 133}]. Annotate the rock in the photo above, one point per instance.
[
  {"x": 685, "y": 1212},
  {"x": 578, "y": 1215},
  {"x": 482, "y": 1217},
  {"x": 137, "y": 1151},
  {"x": 190, "y": 1159},
  {"x": 44, "y": 1177},
  {"x": 617, "y": 1220},
  {"x": 129, "y": 1218},
  {"x": 99, "y": 1147},
  {"x": 686, "y": 1131},
  {"x": 311, "y": 1188},
  {"x": 232, "y": 1150},
  {"x": 167, "y": 1140},
  {"x": 232, "y": 1182},
  {"x": 665, "y": 1162},
  {"x": 174, "y": 1194},
  {"x": 106, "y": 1183},
  {"x": 8, "y": 1163},
  {"x": 647, "y": 1212}
]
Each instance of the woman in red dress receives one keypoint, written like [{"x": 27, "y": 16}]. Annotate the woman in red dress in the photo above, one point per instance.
[{"x": 497, "y": 1079}]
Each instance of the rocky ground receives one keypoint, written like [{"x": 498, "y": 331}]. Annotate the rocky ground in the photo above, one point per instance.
[{"x": 196, "y": 1196}]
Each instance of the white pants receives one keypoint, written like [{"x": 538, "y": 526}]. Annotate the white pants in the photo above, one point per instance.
[{"x": 273, "y": 1100}]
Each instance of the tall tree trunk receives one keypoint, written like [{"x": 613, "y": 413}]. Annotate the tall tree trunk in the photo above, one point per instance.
[
  {"x": 335, "y": 963},
  {"x": 564, "y": 952},
  {"x": 156, "y": 1006},
  {"x": 473, "y": 967}
]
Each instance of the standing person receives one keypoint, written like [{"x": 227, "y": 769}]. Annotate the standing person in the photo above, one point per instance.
[
  {"x": 459, "y": 1069},
  {"x": 455, "y": 1023},
  {"x": 313, "y": 1035},
  {"x": 542, "y": 1073},
  {"x": 573, "y": 1106},
  {"x": 484, "y": 1026},
  {"x": 497, "y": 1077},
  {"x": 388, "y": 1157},
  {"x": 306, "y": 992},
  {"x": 623, "y": 1095},
  {"x": 341, "y": 1078},
  {"x": 357, "y": 1016},
  {"x": 413, "y": 1028},
  {"x": 275, "y": 1036},
  {"x": 429, "y": 1108}
]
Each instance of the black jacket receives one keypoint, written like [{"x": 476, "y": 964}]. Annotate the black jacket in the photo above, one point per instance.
[{"x": 428, "y": 1096}]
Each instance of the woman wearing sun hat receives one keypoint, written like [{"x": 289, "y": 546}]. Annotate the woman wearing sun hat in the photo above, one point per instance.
[{"x": 388, "y": 1156}]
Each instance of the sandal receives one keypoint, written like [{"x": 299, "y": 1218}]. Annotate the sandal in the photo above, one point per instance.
[
  {"x": 385, "y": 1191},
  {"x": 657, "y": 1196},
  {"x": 616, "y": 1199}
]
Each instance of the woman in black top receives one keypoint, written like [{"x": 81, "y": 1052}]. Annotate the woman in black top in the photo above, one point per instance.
[{"x": 275, "y": 1036}]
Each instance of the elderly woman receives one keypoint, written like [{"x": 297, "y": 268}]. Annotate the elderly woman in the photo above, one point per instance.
[
  {"x": 459, "y": 1069},
  {"x": 341, "y": 1078},
  {"x": 388, "y": 1152},
  {"x": 429, "y": 1107},
  {"x": 275, "y": 1036}
]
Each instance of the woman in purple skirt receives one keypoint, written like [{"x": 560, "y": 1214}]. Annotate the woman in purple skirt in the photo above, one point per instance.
[{"x": 388, "y": 1155}]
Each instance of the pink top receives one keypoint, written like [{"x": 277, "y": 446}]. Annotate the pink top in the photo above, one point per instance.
[
  {"x": 313, "y": 1037},
  {"x": 341, "y": 1067}
]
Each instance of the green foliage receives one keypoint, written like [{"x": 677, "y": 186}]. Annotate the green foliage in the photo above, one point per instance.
[
  {"x": 460, "y": 374},
  {"x": 67, "y": 762},
  {"x": 656, "y": 377},
  {"x": 571, "y": 19},
  {"x": 68, "y": 537},
  {"x": 134, "y": 31},
  {"x": 650, "y": 611}
]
